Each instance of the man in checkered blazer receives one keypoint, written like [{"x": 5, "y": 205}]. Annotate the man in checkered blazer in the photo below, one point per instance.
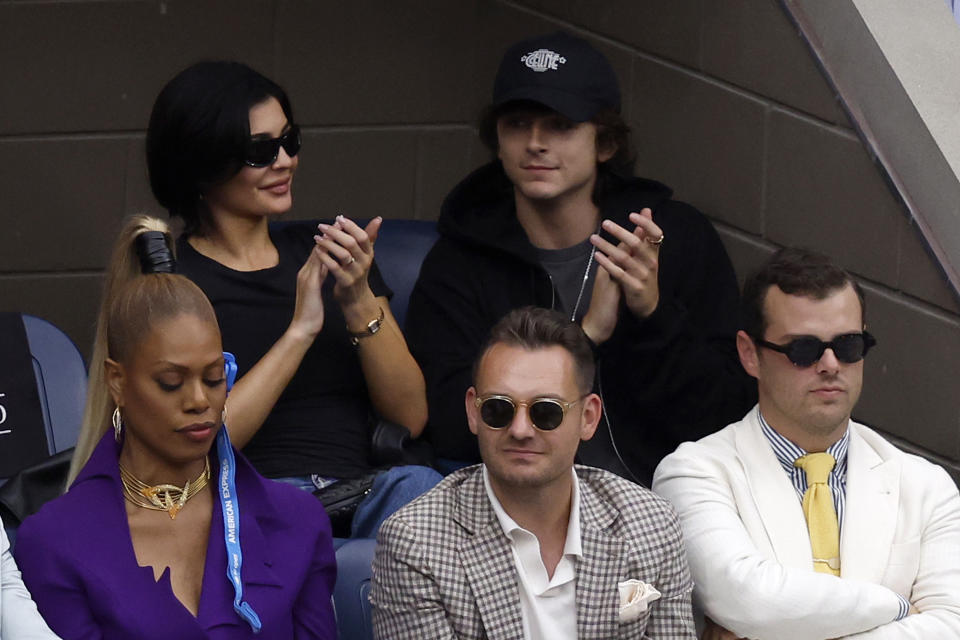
[{"x": 527, "y": 545}]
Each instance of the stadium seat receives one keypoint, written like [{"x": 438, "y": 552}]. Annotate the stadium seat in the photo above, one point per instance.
[
  {"x": 401, "y": 247},
  {"x": 61, "y": 380},
  {"x": 351, "y": 594}
]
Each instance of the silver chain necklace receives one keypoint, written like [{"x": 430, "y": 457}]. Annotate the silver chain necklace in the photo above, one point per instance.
[{"x": 583, "y": 284}]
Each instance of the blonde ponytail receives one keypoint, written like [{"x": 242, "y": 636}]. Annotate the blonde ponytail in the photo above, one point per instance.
[{"x": 124, "y": 268}]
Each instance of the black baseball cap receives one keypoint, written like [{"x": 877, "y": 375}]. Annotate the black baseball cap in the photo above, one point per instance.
[{"x": 560, "y": 71}]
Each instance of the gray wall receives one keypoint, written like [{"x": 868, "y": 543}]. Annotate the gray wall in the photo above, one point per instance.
[{"x": 727, "y": 106}]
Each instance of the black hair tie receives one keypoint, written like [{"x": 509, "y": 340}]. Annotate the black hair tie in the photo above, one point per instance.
[{"x": 155, "y": 254}]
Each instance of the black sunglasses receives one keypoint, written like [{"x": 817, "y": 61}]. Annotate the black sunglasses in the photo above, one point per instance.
[
  {"x": 263, "y": 152},
  {"x": 545, "y": 414},
  {"x": 803, "y": 352}
]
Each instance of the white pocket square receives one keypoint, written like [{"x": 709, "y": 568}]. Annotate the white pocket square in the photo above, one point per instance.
[{"x": 635, "y": 597}]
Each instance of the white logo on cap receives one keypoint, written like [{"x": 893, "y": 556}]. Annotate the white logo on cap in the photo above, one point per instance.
[{"x": 543, "y": 59}]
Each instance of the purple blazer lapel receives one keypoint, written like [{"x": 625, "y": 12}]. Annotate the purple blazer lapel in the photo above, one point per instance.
[{"x": 114, "y": 555}]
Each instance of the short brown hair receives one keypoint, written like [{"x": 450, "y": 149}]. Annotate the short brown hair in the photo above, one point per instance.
[
  {"x": 798, "y": 272},
  {"x": 612, "y": 132},
  {"x": 538, "y": 328}
]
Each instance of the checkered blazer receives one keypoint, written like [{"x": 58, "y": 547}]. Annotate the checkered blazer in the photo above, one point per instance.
[{"x": 444, "y": 568}]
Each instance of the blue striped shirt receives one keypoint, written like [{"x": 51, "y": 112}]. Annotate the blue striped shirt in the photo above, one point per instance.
[{"x": 787, "y": 453}]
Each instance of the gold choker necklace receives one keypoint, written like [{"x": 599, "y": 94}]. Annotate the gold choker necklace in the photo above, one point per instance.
[{"x": 162, "y": 497}]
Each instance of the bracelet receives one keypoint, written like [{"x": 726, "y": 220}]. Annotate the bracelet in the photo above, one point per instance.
[{"x": 372, "y": 328}]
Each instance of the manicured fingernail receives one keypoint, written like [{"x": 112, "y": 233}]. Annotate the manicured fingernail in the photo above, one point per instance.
[{"x": 340, "y": 217}]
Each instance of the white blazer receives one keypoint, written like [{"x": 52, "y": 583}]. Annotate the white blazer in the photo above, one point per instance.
[
  {"x": 749, "y": 550},
  {"x": 19, "y": 618}
]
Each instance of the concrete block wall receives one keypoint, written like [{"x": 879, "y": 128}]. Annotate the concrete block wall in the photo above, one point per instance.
[{"x": 726, "y": 104}]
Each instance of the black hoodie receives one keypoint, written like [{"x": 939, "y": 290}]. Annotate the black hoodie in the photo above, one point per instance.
[{"x": 671, "y": 377}]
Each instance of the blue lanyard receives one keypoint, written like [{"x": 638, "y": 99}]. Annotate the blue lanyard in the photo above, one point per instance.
[{"x": 230, "y": 509}]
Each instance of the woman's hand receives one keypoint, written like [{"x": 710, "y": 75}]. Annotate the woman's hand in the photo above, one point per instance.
[
  {"x": 347, "y": 252},
  {"x": 308, "y": 309}
]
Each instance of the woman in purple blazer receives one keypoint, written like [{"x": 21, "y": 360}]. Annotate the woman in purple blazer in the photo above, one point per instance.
[{"x": 168, "y": 532}]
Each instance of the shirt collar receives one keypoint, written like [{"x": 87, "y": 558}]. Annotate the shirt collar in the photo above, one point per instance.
[
  {"x": 572, "y": 544},
  {"x": 787, "y": 452}
]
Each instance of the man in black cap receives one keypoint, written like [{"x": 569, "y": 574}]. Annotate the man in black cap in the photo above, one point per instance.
[{"x": 558, "y": 221}]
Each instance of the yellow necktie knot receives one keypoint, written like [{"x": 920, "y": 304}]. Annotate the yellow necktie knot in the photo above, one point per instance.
[
  {"x": 820, "y": 513},
  {"x": 817, "y": 466}
]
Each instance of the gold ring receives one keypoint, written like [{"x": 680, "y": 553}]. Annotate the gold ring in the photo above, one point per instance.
[
  {"x": 655, "y": 241},
  {"x": 350, "y": 261}
]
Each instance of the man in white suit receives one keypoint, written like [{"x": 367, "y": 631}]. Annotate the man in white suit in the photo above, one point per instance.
[{"x": 869, "y": 545}]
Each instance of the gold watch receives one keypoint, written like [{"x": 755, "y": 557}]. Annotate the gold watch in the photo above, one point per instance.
[{"x": 372, "y": 328}]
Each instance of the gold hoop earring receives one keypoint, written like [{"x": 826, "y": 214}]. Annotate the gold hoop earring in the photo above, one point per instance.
[
  {"x": 117, "y": 421},
  {"x": 223, "y": 416}
]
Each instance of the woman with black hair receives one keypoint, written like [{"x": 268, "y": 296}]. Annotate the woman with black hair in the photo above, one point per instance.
[{"x": 302, "y": 305}]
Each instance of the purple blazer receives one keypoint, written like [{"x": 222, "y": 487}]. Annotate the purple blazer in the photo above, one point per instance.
[{"x": 77, "y": 559}]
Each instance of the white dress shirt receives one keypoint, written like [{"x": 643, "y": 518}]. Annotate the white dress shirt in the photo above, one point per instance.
[
  {"x": 19, "y": 618},
  {"x": 548, "y": 605}
]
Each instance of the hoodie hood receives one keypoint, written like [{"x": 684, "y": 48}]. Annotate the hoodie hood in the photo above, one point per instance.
[{"x": 480, "y": 209}]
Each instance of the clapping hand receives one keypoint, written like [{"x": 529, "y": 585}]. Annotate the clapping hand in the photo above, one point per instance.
[
  {"x": 346, "y": 250},
  {"x": 631, "y": 267},
  {"x": 308, "y": 309}
]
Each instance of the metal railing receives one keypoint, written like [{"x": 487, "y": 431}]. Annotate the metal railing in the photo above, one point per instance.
[{"x": 955, "y": 7}]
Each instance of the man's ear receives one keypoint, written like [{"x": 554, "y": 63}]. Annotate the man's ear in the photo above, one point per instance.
[
  {"x": 115, "y": 378},
  {"x": 473, "y": 413},
  {"x": 605, "y": 149},
  {"x": 747, "y": 350},
  {"x": 592, "y": 411}
]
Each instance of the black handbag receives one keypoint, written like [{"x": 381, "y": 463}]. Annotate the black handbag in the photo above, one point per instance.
[
  {"x": 24, "y": 494},
  {"x": 391, "y": 445},
  {"x": 341, "y": 499}
]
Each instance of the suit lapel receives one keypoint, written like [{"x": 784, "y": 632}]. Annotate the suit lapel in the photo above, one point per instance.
[
  {"x": 602, "y": 566},
  {"x": 487, "y": 559},
  {"x": 778, "y": 506},
  {"x": 870, "y": 512}
]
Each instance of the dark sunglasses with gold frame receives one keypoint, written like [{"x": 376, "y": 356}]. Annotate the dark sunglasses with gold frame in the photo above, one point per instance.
[{"x": 546, "y": 414}]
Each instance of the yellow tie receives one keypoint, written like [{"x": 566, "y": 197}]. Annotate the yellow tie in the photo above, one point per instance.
[{"x": 820, "y": 513}]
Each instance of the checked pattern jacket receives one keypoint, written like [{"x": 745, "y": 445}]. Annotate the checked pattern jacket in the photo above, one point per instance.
[{"x": 444, "y": 568}]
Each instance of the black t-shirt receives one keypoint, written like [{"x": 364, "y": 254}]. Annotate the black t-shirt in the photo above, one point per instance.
[
  {"x": 566, "y": 268},
  {"x": 322, "y": 422}
]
